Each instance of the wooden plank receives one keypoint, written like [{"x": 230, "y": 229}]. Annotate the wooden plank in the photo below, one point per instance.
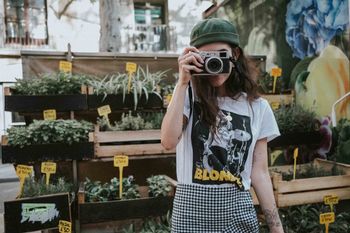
[
  {"x": 279, "y": 98},
  {"x": 137, "y": 149},
  {"x": 315, "y": 183},
  {"x": 125, "y": 136},
  {"x": 328, "y": 165},
  {"x": 284, "y": 200}
]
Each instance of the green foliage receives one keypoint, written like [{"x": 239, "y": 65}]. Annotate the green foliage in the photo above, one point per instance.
[
  {"x": 342, "y": 135},
  {"x": 33, "y": 188},
  {"x": 50, "y": 84},
  {"x": 295, "y": 119},
  {"x": 152, "y": 225},
  {"x": 142, "y": 82},
  {"x": 46, "y": 131},
  {"x": 130, "y": 122},
  {"x": 158, "y": 186},
  {"x": 98, "y": 192}
]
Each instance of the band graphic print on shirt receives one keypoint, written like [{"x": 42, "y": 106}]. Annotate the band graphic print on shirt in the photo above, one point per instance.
[{"x": 219, "y": 157}]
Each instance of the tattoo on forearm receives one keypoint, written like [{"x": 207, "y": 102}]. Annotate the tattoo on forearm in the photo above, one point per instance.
[{"x": 272, "y": 217}]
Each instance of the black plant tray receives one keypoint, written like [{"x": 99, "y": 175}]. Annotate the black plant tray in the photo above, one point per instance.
[
  {"x": 61, "y": 103},
  {"x": 302, "y": 138},
  {"x": 32, "y": 214},
  {"x": 116, "y": 102},
  {"x": 124, "y": 209},
  {"x": 45, "y": 152}
]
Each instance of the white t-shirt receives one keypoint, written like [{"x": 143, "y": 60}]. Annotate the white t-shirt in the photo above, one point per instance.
[{"x": 225, "y": 157}]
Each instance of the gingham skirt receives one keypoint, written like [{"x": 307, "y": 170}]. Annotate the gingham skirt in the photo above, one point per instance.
[{"x": 203, "y": 209}]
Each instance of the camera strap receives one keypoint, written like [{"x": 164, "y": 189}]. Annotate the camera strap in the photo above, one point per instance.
[{"x": 190, "y": 99}]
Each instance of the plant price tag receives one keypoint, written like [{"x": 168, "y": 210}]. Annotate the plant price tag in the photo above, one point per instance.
[
  {"x": 131, "y": 67},
  {"x": 121, "y": 161},
  {"x": 276, "y": 72},
  {"x": 48, "y": 168},
  {"x": 295, "y": 156},
  {"x": 65, "y": 66},
  {"x": 50, "y": 114},
  {"x": 331, "y": 199},
  {"x": 326, "y": 219},
  {"x": 64, "y": 226},
  {"x": 22, "y": 172},
  {"x": 104, "y": 110},
  {"x": 275, "y": 105}
]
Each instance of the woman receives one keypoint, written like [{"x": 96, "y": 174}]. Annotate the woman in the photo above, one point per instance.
[{"x": 220, "y": 128}]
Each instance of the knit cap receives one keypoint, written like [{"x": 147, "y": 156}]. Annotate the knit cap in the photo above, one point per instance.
[{"x": 214, "y": 30}]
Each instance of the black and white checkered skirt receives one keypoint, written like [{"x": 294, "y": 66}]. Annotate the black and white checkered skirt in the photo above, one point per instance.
[{"x": 202, "y": 209}]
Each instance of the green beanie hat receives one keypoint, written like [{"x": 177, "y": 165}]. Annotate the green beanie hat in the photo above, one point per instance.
[{"x": 214, "y": 30}]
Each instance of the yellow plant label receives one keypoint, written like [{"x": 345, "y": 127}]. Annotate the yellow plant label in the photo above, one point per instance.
[
  {"x": 331, "y": 199},
  {"x": 104, "y": 110},
  {"x": 121, "y": 161},
  {"x": 64, "y": 226},
  {"x": 23, "y": 171},
  {"x": 65, "y": 66},
  {"x": 295, "y": 156},
  {"x": 327, "y": 218},
  {"x": 131, "y": 67},
  {"x": 50, "y": 114},
  {"x": 48, "y": 167},
  {"x": 275, "y": 105},
  {"x": 276, "y": 72}
]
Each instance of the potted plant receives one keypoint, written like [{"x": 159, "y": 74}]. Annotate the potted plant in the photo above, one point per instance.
[
  {"x": 100, "y": 202},
  {"x": 39, "y": 206},
  {"x": 123, "y": 92},
  {"x": 298, "y": 126},
  {"x": 59, "y": 91},
  {"x": 48, "y": 140}
]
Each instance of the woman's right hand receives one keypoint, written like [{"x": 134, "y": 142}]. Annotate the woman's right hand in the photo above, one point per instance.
[{"x": 189, "y": 61}]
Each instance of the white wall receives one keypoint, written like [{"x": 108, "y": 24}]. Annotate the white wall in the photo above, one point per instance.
[{"x": 79, "y": 25}]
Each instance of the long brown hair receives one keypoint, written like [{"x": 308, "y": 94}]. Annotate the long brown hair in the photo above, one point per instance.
[{"x": 241, "y": 79}]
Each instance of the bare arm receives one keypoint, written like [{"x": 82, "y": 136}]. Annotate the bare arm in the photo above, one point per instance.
[
  {"x": 263, "y": 187},
  {"x": 173, "y": 121}
]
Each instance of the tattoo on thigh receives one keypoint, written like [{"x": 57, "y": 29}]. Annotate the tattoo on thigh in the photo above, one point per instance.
[{"x": 272, "y": 217}]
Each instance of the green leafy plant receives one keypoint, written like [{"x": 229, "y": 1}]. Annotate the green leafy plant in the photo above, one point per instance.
[
  {"x": 130, "y": 122},
  {"x": 96, "y": 191},
  {"x": 35, "y": 188},
  {"x": 305, "y": 219},
  {"x": 160, "y": 224},
  {"x": 294, "y": 119},
  {"x": 46, "y": 131},
  {"x": 158, "y": 186},
  {"x": 51, "y": 84},
  {"x": 342, "y": 137},
  {"x": 142, "y": 82}
]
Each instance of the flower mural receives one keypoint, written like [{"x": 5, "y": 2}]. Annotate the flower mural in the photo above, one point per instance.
[{"x": 311, "y": 24}]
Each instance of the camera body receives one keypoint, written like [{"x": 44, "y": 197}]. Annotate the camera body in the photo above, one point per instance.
[{"x": 215, "y": 62}]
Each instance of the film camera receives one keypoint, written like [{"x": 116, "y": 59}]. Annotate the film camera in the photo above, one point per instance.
[{"x": 215, "y": 62}]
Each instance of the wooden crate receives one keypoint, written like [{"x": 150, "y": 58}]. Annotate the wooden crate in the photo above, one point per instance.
[
  {"x": 143, "y": 207},
  {"x": 140, "y": 143},
  {"x": 38, "y": 103},
  {"x": 310, "y": 190},
  {"x": 37, "y": 213},
  {"x": 46, "y": 152},
  {"x": 276, "y": 100}
]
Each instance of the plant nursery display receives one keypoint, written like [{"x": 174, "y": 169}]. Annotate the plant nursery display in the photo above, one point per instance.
[
  {"x": 100, "y": 202},
  {"x": 60, "y": 91},
  {"x": 341, "y": 137},
  {"x": 48, "y": 140}
]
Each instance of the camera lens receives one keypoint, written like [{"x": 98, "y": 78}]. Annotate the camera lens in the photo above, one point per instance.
[{"x": 214, "y": 65}]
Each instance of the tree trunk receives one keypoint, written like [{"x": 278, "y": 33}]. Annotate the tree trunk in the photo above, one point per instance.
[
  {"x": 116, "y": 18},
  {"x": 2, "y": 24}
]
